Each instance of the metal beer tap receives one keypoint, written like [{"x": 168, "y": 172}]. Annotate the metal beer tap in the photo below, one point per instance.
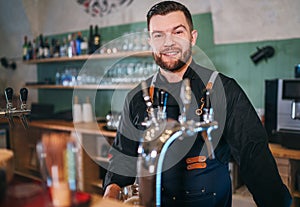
[
  {"x": 23, "y": 99},
  {"x": 153, "y": 149},
  {"x": 10, "y": 112}
]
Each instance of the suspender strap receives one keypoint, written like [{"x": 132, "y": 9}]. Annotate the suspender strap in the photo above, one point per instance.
[{"x": 211, "y": 80}]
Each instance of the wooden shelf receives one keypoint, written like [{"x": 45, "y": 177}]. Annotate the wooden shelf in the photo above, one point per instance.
[
  {"x": 88, "y": 128},
  {"x": 91, "y": 57},
  {"x": 120, "y": 86}
]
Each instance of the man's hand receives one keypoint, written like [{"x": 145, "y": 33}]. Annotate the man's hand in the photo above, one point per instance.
[{"x": 112, "y": 191}]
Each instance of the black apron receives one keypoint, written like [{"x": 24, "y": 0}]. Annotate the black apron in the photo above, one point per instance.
[{"x": 207, "y": 187}]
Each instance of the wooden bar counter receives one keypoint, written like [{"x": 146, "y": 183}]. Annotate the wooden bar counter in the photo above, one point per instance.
[{"x": 288, "y": 162}]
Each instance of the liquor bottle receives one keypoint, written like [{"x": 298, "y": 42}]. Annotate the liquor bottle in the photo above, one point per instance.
[
  {"x": 84, "y": 46},
  {"x": 30, "y": 49},
  {"x": 73, "y": 44},
  {"x": 46, "y": 48},
  {"x": 55, "y": 48},
  {"x": 90, "y": 41},
  {"x": 34, "y": 48},
  {"x": 96, "y": 40},
  {"x": 25, "y": 47},
  {"x": 63, "y": 48},
  {"x": 70, "y": 53},
  {"x": 41, "y": 47},
  {"x": 78, "y": 43}
]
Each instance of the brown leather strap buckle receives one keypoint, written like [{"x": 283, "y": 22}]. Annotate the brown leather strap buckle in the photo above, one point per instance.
[
  {"x": 191, "y": 160},
  {"x": 198, "y": 165},
  {"x": 197, "y": 162}
]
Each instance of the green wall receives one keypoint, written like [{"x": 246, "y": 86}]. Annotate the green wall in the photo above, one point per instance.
[
  {"x": 231, "y": 59},
  {"x": 234, "y": 59}
]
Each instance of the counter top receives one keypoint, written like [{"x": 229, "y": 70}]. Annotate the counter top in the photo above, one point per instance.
[{"x": 282, "y": 152}]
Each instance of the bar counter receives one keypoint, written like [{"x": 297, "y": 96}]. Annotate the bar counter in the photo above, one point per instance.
[{"x": 25, "y": 192}]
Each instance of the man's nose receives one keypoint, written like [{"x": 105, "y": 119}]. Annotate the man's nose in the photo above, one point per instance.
[{"x": 169, "y": 39}]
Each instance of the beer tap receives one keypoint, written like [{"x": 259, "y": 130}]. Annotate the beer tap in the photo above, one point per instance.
[
  {"x": 11, "y": 111},
  {"x": 156, "y": 142},
  {"x": 23, "y": 99},
  {"x": 208, "y": 117},
  {"x": 162, "y": 112},
  {"x": 9, "y": 106},
  {"x": 151, "y": 115}
]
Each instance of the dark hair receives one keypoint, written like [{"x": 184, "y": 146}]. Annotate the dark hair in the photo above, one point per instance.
[{"x": 166, "y": 7}]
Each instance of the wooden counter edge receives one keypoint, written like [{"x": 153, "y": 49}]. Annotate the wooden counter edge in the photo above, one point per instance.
[{"x": 282, "y": 152}]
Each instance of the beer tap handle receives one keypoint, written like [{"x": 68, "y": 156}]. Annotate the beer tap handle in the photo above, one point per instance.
[
  {"x": 186, "y": 97},
  {"x": 208, "y": 115},
  {"x": 148, "y": 102},
  {"x": 162, "y": 97},
  {"x": 9, "y": 95},
  {"x": 207, "y": 100},
  {"x": 23, "y": 97}
]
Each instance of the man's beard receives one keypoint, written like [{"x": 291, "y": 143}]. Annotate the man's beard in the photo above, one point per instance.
[{"x": 174, "y": 65}]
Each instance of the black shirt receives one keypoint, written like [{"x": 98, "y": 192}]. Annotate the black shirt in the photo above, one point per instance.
[{"x": 240, "y": 135}]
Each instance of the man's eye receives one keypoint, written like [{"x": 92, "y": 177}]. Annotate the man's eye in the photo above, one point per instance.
[
  {"x": 157, "y": 35},
  {"x": 178, "y": 32}
]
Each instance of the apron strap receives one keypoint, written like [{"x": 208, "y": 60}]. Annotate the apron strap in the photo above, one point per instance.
[{"x": 211, "y": 80}]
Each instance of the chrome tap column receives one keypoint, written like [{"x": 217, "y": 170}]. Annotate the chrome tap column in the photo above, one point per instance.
[
  {"x": 10, "y": 112},
  {"x": 159, "y": 135}
]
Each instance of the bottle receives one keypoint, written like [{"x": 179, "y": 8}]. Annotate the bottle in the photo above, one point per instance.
[
  {"x": 90, "y": 41},
  {"x": 96, "y": 40},
  {"x": 41, "y": 47},
  {"x": 63, "y": 48},
  {"x": 79, "y": 41},
  {"x": 70, "y": 53},
  {"x": 30, "y": 49},
  {"x": 77, "y": 111},
  {"x": 73, "y": 44},
  {"x": 35, "y": 46},
  {"x": 71, "y": 165},
  {"x": 84, "y": 46},
  {"x": 46, "y": 48},
  {"x": 57, "y": 78},
  {"x": 87, "y": 114},
  {"x": 25, "y": 47}
]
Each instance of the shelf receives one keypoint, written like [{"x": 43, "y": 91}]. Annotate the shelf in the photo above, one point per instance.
[
  {"x": 88, "y": 128},
  {"x": 120, "y": 86},
  {"x": 92, "y": 56}
]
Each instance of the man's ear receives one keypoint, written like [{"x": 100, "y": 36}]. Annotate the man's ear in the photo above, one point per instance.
[{"x": 194, "y": 37}]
